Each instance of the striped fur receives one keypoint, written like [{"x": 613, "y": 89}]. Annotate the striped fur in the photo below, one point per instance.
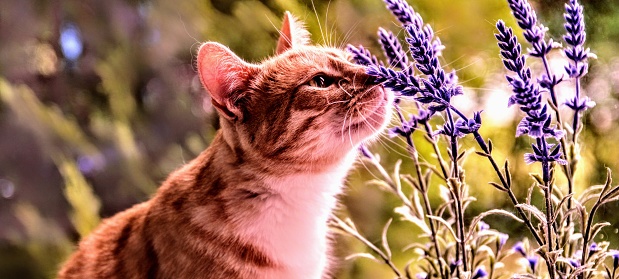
[{"x": 255, "y": 204}]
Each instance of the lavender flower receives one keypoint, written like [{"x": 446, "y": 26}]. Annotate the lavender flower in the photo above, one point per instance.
[
  {"x": 407, "y": 16},
  {"x": 537, "y": 123},
  {"x": 533, "y": 262},
  {"x": 404, "y": 12},
  {"x": 363, "y": 56},
  {"x": 575, "y": 39},
  {"x": 393, "y": 49},
  {"x": 615, "y": 255},
  {"x": 501, "y": 240},
  {"x": 438, "y": 90},
  {"x": 483, "y": 226},
  {"x": 575, "y": 51},
  {"x": 580, "y": 104},
  {"x": 519, "y": 247},
  {"x": 480, "y": 272},
  {"x": 408, "y": 126},
  {"x": 544, "y": 152},
  {"x": 533, "y": 33},
  {"x": 453, "y": 265},
  {"x": 574, "y": 262},
  {"x": 366, "y": 153},
  {"x": 594, "y": 248},
  {"x": 470, "y": 126}
]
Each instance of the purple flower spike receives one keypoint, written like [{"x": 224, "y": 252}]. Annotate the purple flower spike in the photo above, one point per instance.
[
  {"x": 454, "y": 265},
  {"x": 541, "y": 155},
  {"x": 437, "y": 89},
  {"x": 483, "y": 226},
  {"x": 479, "y": 273},
  {"x": 448, "y": 130},
  {"x": 527, "y": 93},
  {"x": 537, "y": 123},
  {"x": 502, "y": 239},
  {"x": 468, "y": 127},
  {"x": 365, "y": 151},
  {"x": 533, "y": 33},
  {"x": 404, "y": 12},
  {"x": 533, "y": 262},
  {"x": 408, "y": 127},
  {"x": 581, "y": 104},
  {"x": 575, "y": 39},
  {"x": 363, "y": 56},
  {"x": 594, "y": 248},
  {"x": 519, "y": 247},
  {"x": 405, "y": 129},
  {"x": 392, "y": 48},
  {"x": 615, "y": 255}
]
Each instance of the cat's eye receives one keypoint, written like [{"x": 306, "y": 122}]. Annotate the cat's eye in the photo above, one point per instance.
[{"x": 321, "y": 81}]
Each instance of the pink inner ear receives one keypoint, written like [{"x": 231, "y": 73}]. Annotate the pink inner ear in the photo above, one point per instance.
[
  {"x": 292, "y": 34},
  {"x": 214, "y": 67},
  {"x": 222, "y": 73}
]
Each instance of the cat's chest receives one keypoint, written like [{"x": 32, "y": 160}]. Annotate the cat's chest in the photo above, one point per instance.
[{"x": 291, "y": 226}]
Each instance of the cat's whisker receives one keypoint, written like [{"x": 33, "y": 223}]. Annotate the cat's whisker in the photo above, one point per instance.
[
  {"x": 352, "y": 30},
  {"x": 332, "y": 34},
  {"x": 339, "y": 84},
  {"x": 382, "y": 140},
  {"x": 344, "y": 126},
  {"x": 337, "y": 102},
  {"x": 366, "y": 167},
  {"x": 322, "y": 32}
]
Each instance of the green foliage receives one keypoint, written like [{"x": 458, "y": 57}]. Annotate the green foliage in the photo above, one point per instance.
[
  {"x": 131, "y": 107},
  {"x": 85, "y": 205}
]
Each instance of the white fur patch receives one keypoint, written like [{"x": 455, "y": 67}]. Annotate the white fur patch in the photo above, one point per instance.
[{"x": 292, "y": 226}]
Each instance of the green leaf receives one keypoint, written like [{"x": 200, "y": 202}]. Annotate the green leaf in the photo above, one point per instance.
[
  {"x": 508, "y": 175},
  {"x": 563, "y": 201},
  {"x": 381, "y": 184},
  {"x": 481, "y": 216},
  {"x": 406, "y": 213},
  {"x": 538, "y": 178},
  {"x": 396, "y": 175},
  {"x": 446, "y": 225},
  {"x": 609, "y": 180},
  {"x": 497, "y": 186},
  {"x": 482, "y": 154},
  {"x": 535, "y": 211},
  {"x": 384, "y": 240},
  {"x": 596, "y": 228},
  {"x": 361, "y": 255}
]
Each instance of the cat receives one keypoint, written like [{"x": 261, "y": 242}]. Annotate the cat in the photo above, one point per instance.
[{"x": 256, "y": 202}]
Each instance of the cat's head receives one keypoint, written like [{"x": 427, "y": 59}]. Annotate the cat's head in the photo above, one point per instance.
[{"x": 307, "y": 104}]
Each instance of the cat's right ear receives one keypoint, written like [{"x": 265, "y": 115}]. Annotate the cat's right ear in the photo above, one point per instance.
[
  {"x": 292, "y": 34},
  {"x": 223, "y": 74}
]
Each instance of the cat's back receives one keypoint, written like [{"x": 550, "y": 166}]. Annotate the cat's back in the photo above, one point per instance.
[{"x": 104, "y": 253}]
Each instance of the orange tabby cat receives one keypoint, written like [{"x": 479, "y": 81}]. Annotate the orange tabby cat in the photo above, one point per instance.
[{"x": 255, "y": 204}]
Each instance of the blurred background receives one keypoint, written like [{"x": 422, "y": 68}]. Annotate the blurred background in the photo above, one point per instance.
[{"x": 99, "y": 101}]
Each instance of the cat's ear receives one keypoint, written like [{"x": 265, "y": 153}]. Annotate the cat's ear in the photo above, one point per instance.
[
  {"x": 223, "y": 74},
  {"x": 292, "y": 34}
]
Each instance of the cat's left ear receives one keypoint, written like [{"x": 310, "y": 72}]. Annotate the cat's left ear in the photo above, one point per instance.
[
  {"x": 225, "y": 76},
  {"x": 292, "y": 34}
]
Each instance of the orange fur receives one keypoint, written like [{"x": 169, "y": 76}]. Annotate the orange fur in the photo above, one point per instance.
[{"x": 255, "y": 204}]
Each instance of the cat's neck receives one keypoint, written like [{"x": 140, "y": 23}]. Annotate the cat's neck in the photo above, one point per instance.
[
  {"x": 288, "y": 218},
  {"x": 291, "y": 225}
]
